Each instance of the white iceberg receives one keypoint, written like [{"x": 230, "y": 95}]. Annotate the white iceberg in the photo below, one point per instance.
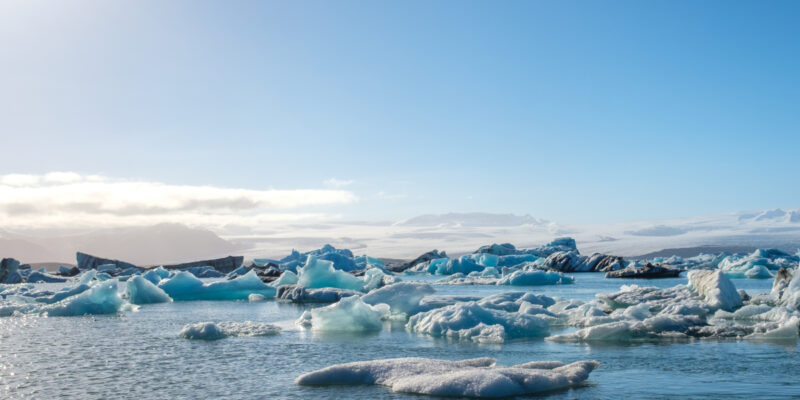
[
  {"x": 402, "y": 297},
  {"x": 349, "y": 314},
  {"x": 715, "y": 287},
  {"x": 472, "y": 321},
  {"x": 478, "y": 378},
  {"x": 216, "y": 331}
]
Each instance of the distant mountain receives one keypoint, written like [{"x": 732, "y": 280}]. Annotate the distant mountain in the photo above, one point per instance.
[
  {"x": 159, "y": 244},
  {"x": 475, "y": 219},
  {"x": 776, "y": 215}
]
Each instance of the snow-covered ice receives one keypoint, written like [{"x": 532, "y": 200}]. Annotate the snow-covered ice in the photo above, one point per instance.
[{"x": 479, "y": 378}]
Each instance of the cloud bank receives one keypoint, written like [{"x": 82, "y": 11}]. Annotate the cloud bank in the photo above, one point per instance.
[{"x": 68, "y": 199}]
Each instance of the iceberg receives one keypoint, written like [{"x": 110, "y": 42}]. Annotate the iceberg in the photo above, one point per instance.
[
  {"x": 715, "y": 288},
  {"x": 401, "y": 297},
  {"x": 9, "y": 271},
  {"x": 349, "y": 314},
  {"x": 299, "y": 294},
  {"x": 102, "y": 298},
  {"x": 535, "y": 277},
  {"x": 318, "y": 273},
  {"x": 142, "y": 291},
  {"x": 184, "y": 286},
  {"x": 478, "y": 378},
  {"x": 286, "y": 278},
  {"x": 63, "y": 294},
  {"x": 512, "y": 301},
  {"x": 341, "y": 259},
  {"x": 648, "y": 271},
  {"x": 205, "y": 272},
  {"x": 472, "y": 321},
  {"x": 221, "y": 330},
  {"x": 41, "y": 277}
]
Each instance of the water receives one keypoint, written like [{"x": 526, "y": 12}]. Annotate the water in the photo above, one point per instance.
[{"x": 138, "y": 355}]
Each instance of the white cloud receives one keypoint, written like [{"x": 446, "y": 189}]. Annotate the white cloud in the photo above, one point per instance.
[
  {"x": 19, "y": 180},
  {"x": 338, "y": 183},
  {"x": 66, "y": 198},
  {"x": 62, "y": 177}
]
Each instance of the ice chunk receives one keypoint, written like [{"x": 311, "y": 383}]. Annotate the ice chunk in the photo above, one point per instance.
[
  {"x": 349, "y": 314},
  {"x": 142, "y": 291},
  {"x": 101, "y": 298},
  {"x": 511, "y": 301},
  {"x": 471, "y": 321},
  {"x": 152, "y": 276},
  {"x": 659, "y": 326},
  {"x": 790, "y": 296},
  {"x": 41, "y": 277},
  {"x": 535, "y": 277},
  {"x": 9, "y": 271},
  {"x": 318, "y": 273},
  {"x": 205, "y": 272},
  {"x": 185, "y": 286},
  {"x": 216, "y": 331},
  {"x": 286, "y": 278},
  {"x": 402, "y": 297},
  {"x": 255, "y": 298},
  {"x": 299, "y": 294},
  {"x": 786, "y": 330},
  {"x": 717, "y": 290},
  {"x": 471, "y": 378},
  {"x": 63, "y": 294}
]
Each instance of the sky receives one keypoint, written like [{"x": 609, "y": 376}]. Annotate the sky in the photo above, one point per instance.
[{"x": 573, "y": 111}]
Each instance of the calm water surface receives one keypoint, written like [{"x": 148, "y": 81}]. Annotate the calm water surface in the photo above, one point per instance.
[{"x": 138, "y": 355}]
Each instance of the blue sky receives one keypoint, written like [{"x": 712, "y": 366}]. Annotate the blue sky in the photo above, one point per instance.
[{"x": 575, "y": 111}]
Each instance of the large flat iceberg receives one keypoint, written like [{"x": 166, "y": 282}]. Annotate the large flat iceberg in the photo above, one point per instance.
[
  {"x": 185, "y": 286},
  {"x": 479, "y": 378}
]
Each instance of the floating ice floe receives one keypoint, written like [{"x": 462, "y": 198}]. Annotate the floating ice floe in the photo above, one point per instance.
[
  {"x": 708, "y": 307},
  {"x": 318, "y": 273},
  {"x": 102, "y": 298},
  {"x": 299, "y": 294},
  {"x": 142, "y": 291},
  {"x": 221, "y": 330},
  {"x": 534, "y": 278},
  {"x": 402, "y": 297},
  {"x": 184, "y": 286},
  {"x": 479, "y": 378},
  {"x": 473, "y": 321},
  {"x": 286, "y": 278},
  {"x": 349, "y": 314}
]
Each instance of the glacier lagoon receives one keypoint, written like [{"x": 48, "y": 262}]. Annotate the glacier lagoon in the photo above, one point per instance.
[{"x": 140, "y": 354}]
